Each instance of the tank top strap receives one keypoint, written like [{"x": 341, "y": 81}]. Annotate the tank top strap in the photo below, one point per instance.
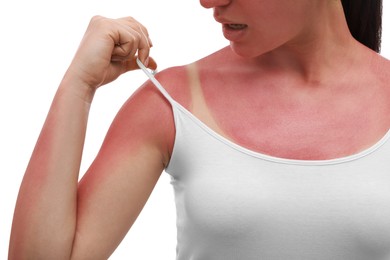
[{"x": 150, "y": 75}]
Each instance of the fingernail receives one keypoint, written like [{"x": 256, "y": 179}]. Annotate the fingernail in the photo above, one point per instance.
[{"x": 146, "y": 62}]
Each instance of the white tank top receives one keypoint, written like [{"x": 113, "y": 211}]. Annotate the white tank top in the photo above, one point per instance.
[{"x": 234, "y": 203}]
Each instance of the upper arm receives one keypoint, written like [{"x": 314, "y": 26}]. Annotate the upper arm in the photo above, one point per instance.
[{"x": 115, "y": 188}]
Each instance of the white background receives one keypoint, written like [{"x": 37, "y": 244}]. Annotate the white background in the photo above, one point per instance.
[{"x": 38, "y": 40}]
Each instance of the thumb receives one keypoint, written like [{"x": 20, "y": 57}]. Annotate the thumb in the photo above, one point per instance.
[
  {"x": 151, "y": 63},
  {"x": 132, "y": 64}
]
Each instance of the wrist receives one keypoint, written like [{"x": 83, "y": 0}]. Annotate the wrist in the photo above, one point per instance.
[{"x": 79, "y": 88}]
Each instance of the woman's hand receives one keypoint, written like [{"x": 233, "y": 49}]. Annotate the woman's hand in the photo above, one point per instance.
[{"x": 108, "y": 49}]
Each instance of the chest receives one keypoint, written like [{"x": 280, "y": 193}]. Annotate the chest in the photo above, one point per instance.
[{"x": 297, "y": 124}]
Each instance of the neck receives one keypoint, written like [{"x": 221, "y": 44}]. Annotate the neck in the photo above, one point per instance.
[{"x": 324, "y": 46}]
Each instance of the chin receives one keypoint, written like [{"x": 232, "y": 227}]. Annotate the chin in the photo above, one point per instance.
[{"x": 245, "y": 51}]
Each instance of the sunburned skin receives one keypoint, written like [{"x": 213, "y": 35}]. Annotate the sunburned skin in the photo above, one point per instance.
[
  {"x": 293, "y": 83},
  {"x": 270, "y": 117}
]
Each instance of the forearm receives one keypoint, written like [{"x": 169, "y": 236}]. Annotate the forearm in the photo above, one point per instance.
[{"x": 45, "y": 215}]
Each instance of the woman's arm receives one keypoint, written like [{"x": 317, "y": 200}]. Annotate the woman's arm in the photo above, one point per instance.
[{"x": 57, "y": 218}]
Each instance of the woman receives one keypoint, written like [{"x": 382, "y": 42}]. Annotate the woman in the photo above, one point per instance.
[{"x": 277, "y": 145}]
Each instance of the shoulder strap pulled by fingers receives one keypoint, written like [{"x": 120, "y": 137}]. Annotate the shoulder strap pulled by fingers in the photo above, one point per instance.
[{"x": 150, "y": 74}]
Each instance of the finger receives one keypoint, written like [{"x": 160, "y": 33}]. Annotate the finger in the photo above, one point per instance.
[
  {"x": 127, "y": 47},
  {"x": 144, "y": 47},
  {"x": 145, "y": 43},
  {"x": 138, "y": 27},
  {"x": 152, "y": 64},
  {"x": 132, "y": 38},
  {"x": 131, "y": 64},
  {"x": 128, "y": 51},
  {"x": 150, "y": 42}
]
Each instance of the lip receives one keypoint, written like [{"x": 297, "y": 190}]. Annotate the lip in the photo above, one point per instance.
[
  {"x": 229, "y": 33},
  {"x": 233, "y": 35}
]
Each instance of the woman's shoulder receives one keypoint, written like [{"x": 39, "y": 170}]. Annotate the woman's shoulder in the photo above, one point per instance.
[
  {"x": 148, "y": 107},
  {"x": 176, "y": 80},
  {"x": 381, "y": 68}
]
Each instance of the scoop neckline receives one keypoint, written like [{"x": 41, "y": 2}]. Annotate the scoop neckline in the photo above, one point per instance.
[
  {"x": 282, "y": 160},
  {"x": 271, "y": 158}
]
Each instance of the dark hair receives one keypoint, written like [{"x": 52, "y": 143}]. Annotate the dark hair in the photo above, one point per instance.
[{"x": 364, "y": 18}]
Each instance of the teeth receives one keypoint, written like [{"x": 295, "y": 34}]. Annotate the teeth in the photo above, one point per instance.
[{"x": 237, "y": 26}]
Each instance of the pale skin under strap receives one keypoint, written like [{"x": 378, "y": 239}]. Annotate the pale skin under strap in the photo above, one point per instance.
[{"x": 199, "y": 107}]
